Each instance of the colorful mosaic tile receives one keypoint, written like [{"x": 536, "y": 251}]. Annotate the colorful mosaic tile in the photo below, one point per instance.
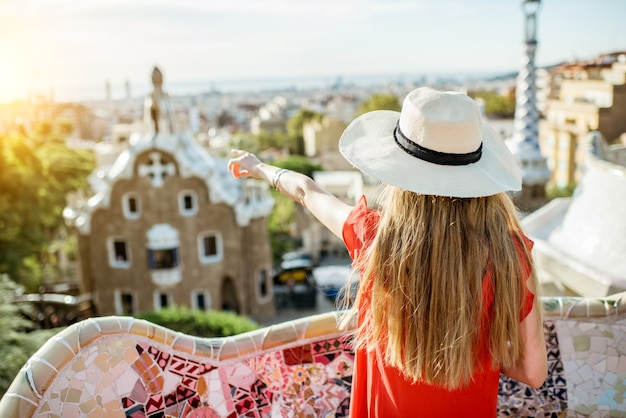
[
  {"x": 519, "y": 400},
  {"x": 121, "y": 367}
]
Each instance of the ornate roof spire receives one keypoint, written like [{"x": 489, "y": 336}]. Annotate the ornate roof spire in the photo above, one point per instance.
[
  {"x": 535, "y": 172},
  {"x": 157, "y": 78},
  {"x": 157, "y": 113}
]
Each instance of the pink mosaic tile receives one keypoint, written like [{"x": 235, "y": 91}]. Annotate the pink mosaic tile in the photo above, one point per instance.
[{"x": 120, "y": 367}]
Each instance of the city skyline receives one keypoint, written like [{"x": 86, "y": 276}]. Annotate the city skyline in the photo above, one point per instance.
[{"x": 58, "y": 46}]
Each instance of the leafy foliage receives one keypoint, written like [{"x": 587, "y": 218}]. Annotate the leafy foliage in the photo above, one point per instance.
[
  {"x": 200, "y": 323},
  {"x": 292, "y": 140},
  {"x": 379, "y": 102},
  {"x": 245, "y": 141},
  {"x": 16, "y": 345},
  {"x": 36, "y": 173},
  {"x": 279, "y": 225},
  {"x": 298, "y": 163},
  {"x": 496, "y": 105},
  {"x": 555, "y": 191},
  {"x": 274, "y": 139},
  {"x": 261, "y": 142},
  {"x": 283, "y": 217},
  {"x": 295, "y": 127}
]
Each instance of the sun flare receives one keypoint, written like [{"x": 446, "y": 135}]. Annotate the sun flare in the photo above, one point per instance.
[{"x": 11, "y": 84}]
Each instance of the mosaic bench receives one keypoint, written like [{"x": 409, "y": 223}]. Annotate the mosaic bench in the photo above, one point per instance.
[{"x": 123, "y": 367}]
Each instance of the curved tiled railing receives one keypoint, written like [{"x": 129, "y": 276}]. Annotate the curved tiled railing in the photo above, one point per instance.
[{"x": 122, "y": 367}]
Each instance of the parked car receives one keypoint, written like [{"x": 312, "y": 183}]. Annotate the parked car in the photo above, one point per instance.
[
  {"x": 294, "y": 284},
  {"x": 332, "y": 280}
]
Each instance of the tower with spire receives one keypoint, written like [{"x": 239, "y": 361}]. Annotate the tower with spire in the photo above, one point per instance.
[{"x": 525, "y": 144}]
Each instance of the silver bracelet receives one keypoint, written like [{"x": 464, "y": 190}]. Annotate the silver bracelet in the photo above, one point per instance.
[{"x": 276, "y": 177}]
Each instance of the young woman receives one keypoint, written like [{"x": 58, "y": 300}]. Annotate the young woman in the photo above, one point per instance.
[{"x": 447, "y": 298}]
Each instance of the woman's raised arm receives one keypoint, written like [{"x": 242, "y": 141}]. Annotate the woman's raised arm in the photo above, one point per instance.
[{"x": 330, "y": 210}]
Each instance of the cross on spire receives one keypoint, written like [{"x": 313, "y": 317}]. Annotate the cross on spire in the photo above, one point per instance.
[{"x": 156, "y": 169}]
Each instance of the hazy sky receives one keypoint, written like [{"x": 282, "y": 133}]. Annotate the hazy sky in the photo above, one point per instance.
[{"x": 48, "y": 44}]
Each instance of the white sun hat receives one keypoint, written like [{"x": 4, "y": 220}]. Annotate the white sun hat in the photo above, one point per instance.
[{"x": 437, "y": 145}]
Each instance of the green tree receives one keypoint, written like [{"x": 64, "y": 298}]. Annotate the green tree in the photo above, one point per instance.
[
  {"x": 258, "y": 143},
  {"x": 44, "y": 129},
  {"x": 295, "y": 129},
  {"x": 36, "y": 173},
  {"x": 292, "y": 140},
  {"x": 198, "y": 323},
  {"x": 283, "y": 216},
  {"x": 65, "y": 127},
  {"x": 554, "y": 192},
  {"x": 16, "y": 344},
  {"x": 279, "y": 225},
  {"x": 379, "y": 102},
  {"x": 496, "y": 105},
  {"x": 275, "y": 139},
  {"x": 300, "y": 164},
  {"x": 21, "y": 177},
  {"x": 244, "y": 141}
]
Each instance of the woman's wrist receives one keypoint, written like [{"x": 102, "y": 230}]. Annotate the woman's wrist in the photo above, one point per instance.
[
  {"x": 275, "y": 181},
  {"x": 262, "y": 171}
]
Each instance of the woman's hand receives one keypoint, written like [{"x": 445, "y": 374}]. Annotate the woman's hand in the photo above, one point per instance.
[
  {"x": 330, "y": 210},
  {"x": 244, "y": 164}
]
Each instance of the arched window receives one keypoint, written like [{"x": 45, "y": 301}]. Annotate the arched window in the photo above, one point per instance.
[
  {"x": 119, "y": 254},
  {"x": 125, "y": 302},
  {"x": 188, "y": 202},
  {"x": 210, "y": 247},
  {"x": 201, "y": 300},
  {"x": 131, "y": 206},
  {"x": 162, "y": 300},
  {"x": 264, "y": 285}
]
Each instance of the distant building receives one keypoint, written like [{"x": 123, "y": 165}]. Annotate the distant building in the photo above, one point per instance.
[
  {"x": 168, "y": 225},
  {"x": 591, "y": 97},
  {"x": 580, "y": 241},
  {"x": 273, "y": 116},
  {"x": 321, "y": 139},
  {"x": 343, "y": 107}
]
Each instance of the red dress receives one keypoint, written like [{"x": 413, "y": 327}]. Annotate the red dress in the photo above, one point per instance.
[{"x": 379, "y": 390}]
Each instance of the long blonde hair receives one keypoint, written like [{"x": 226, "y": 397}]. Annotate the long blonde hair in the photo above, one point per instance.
[{"x": 426, "y": 266}]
